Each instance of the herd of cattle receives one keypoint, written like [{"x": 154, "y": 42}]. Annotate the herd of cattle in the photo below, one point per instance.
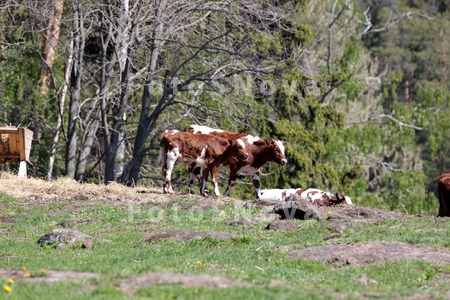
[{"x": 208, "y": 150}]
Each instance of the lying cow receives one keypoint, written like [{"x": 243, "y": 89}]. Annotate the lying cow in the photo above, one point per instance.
[
  {"x": 444, "y": 195},
  {"x": 321, "y": 198},
  {"x": 276, "y": 194},
  {"x": 206, "y": 152},
  {"x": 260, "y": 152},
  {"x": 315, "y": 196}
]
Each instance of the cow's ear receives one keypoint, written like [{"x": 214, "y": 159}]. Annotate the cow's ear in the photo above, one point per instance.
[{"x": 284, "y": 143}]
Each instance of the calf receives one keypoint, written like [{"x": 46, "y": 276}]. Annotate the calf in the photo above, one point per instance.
[
  {"x": 444, "y": 195},
  {"x": 321, "y": 198},
  {"x": 260, "y": 152},
  {"x": 276, "y": 194},
  {"x": 201, "y": 150}
]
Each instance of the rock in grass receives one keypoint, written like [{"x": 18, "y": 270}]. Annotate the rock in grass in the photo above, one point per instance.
[
  {"x": 296, "y": 208},
  {"x": 60, "y": 247},
  {"x": 66, "y": 236},
  {"x": 285, "y": 225}
]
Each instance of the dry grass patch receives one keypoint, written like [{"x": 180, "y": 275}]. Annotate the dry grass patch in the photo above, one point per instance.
[
  {"x": 39, "y": 192},
  {"x": 42, "y": 191}
]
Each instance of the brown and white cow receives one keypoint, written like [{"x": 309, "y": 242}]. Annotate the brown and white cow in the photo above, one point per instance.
[
  {"x": 204, "y": 151},
  {"x": 321, "y": 198},
  {"x": 444, "y": 195},
  {"x": 260, "y": 152},
  {"x": 276, "y": 194},
  {"x": 315, "y": 196}
]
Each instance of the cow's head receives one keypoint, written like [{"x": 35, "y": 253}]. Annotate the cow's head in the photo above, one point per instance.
[
  {"x": 237, "y": 149},
  {"x": 342, "y": 199},
  {"x": 278, "y": 148}
]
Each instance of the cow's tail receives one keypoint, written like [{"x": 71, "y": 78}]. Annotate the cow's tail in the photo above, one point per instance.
[{"x": 162, "y": 154}]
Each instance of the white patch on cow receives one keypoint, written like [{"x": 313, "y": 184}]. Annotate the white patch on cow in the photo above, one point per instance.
[
  {"x": 172, "y": 157},
  {"x": 251, "y": 139},
  {"x": 348, "y": 200},
  {"x": 281, "y": 146},
  {"x": 170, "y": 131},
  {"x": 204, "y": 129},
  {"x": 241, "y": 142},
  {"x": 311, "y": 195},
  {"x": 216, "y": 187},
  {"x": 276, "y": 194},
  {"x": 173, "y": 154},
  {"x": 201, "y": 159}
]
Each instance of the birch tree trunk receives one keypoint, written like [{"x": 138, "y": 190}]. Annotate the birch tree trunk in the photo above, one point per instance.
[
  {"x": 59, "y": 121},
  {"x": 114, "y": 141},
  {"x": 75, "y": 89},
  {"x": 88, "y": 141}
]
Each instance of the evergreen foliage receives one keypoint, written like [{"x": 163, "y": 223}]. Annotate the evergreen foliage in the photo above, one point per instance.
[{"x": 365, "y": 114}]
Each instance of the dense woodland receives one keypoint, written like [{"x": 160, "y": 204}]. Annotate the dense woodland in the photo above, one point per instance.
[{"x": 359, "y": 89}]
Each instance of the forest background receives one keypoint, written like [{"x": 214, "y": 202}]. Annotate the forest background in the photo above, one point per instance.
[{"x": 358, "y": 89}]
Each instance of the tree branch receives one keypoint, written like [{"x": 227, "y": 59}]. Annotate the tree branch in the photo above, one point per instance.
[
  {"x": 378, "y": 161},
  {"x": 390, "y": 22},
  {"x": 382, "y": 116}
]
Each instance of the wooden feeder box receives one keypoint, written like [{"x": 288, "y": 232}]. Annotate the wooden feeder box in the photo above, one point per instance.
[{"x": 15, "y": 146}]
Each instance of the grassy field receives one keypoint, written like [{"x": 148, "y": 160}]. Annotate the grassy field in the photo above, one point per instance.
[{"x": 253, "y": 263}]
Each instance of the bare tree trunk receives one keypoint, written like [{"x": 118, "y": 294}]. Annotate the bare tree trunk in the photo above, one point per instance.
[
  {"x": 117, "y": 132},
  {"x": 115, "y": 140},
  {"x": 75, "y": 89},
  {"x": 145, "y": 120},
  {"x": 51, "y": 42},
  {"x": 91, "y": 131},
  {"x": 330, "y": 37},
  {"x": 59, "y": 121},
  {"x": 120, "y": 156}
]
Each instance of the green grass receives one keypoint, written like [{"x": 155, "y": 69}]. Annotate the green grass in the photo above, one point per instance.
[{"x": 252, "y": 256}]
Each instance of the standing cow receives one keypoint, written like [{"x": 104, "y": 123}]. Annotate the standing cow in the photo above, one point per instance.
[
  {"x": 444, "y": 195},
  {"x": 204, "y": 151},
  {"x": 260, "y": 152}
]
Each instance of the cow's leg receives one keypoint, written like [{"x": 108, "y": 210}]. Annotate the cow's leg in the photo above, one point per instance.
[
  {"x": 193, "y": 173},
  {"x": 164, "y": 174},
  {"x": 205, "y": 174},
  {"x": 167, "y": 169},
  {"x": 231, "y": 182},
  {"x": 215, "y": 176},
  {"x": 444, "y": 199},
  {"x": 198, "y": 174},
  {"x": 256, "y": 184}
]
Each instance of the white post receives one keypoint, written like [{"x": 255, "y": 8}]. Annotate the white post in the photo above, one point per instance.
[{"x": 22, "y": 169}]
